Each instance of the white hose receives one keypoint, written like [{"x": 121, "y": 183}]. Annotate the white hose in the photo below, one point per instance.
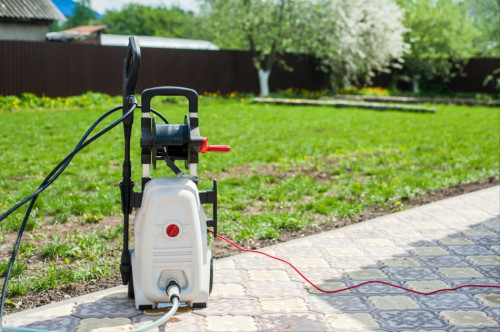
[
  {"x": 20, "y": 329},
  {"x": 164, "y": 318}
]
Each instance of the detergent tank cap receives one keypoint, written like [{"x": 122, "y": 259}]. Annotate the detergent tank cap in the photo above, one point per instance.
[{"x": 172, "y": 230}]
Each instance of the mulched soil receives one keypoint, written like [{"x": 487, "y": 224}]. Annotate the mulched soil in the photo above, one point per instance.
[{"x": 222, "y": 249}]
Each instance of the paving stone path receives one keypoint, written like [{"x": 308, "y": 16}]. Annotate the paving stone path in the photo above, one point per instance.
[{"x": 444, "y": 244}]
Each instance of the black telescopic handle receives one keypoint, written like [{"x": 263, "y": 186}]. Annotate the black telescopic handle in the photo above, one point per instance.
[
  {"x": 190, "y": 94},
  {"x": 131, "y": 67}
]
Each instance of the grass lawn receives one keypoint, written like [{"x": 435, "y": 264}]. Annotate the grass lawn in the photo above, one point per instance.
[{"x": 290, "y": 166}]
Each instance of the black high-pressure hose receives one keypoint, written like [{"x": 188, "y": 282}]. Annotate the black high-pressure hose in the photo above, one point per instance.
[{"x": 53, "y": 175}]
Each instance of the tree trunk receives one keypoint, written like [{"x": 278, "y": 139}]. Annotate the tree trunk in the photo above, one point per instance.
[
  {"x": 414, "y": 83},
  {"x": 264, "y": 81}
]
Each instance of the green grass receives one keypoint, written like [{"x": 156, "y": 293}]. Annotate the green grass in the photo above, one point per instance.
[
  {"x": 325, "y": 163},
  {"x": 368, "y": 157}
]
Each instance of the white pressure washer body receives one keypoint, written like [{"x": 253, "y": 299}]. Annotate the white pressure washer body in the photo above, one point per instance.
[
  {"x": 170, "y": 244},
  {"x": 170, "y": 225}
]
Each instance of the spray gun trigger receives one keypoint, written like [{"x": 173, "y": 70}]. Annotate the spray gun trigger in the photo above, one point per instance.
[{"x": 213, "y": 148}]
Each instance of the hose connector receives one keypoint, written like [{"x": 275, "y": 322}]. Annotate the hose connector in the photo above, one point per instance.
[{"x": 173, "y": 290}]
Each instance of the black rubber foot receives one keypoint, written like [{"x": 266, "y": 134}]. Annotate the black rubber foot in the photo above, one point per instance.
[
  {"x": 146, "y": 307},
  {"x": 199, "y": 305}
]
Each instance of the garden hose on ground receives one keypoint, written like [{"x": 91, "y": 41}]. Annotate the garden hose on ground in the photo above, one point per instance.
[{"x": 53, "y": 175}]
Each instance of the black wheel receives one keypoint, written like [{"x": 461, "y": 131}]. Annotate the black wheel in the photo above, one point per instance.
[
  {"x": 211, "y": 276},
  {"x": 130, "y": 285}
]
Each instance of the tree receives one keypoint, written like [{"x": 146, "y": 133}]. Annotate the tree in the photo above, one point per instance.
[
  {"x": 135, "y": 19},
  {"x": 486, "y": 15},
  {"x": 82, "y": 15},
  {"x": 441, "y": 35},
  {"x": 265, "y": 27},
  {"x": 353, "y": 39}
]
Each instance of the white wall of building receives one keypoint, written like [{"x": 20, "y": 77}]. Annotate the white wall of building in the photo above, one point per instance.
[{"x": 23, "y": 31}]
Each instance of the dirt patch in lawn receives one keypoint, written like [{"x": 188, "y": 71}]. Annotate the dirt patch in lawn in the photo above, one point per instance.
[{"x": 222, "y": 249}]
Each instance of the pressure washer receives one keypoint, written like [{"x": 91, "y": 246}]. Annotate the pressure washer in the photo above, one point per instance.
[
  {"x": 170, "y": 225},
  {"x": 171, "y": 261}
]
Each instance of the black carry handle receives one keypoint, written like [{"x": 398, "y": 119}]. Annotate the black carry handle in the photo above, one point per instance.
[
  {"x": 131, "y": 67},
  {"x": 190, "y": 94}
]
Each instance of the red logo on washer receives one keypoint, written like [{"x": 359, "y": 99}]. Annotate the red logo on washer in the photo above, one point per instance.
[{"x": 172, "y": 230}]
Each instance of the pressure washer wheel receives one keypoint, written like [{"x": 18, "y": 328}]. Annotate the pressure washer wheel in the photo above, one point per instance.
[
  {"x": 211, "y": 276},
  {"x": 130, "y": 285}
]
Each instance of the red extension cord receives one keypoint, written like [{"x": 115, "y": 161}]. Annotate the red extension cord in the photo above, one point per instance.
[{"x": 351, "y": 287}]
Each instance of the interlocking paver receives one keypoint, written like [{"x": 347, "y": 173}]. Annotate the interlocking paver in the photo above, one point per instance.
[
  {"x": 429, "y": 251},
  {"x": 103, "y": 324},
  {"x": 459, "y": 272},
  {"x": 230, "y": 323},
  {"x": 277, "y": 304},
  {"x": 457, "y": 241},
  {"x": 376, "y": 288},
  {"x": 427, "y": 285},
  {"x": 221, "y": 290},
  {"x": 489, "y": 300},
  {"x": 468, "y": 318},
  {"x": 445, "y": 244},
  {"x": 397, "y": 302},
  {"x": 356, "y": 321},
  {"x": 444, "y": 261},
  {"x": 492, "y": 271},
  {"x": 339, "y": 303},
  {"x": 411, "y": 273},
  {"x": 484, "y": 260},
  {"x": 291, "y": 322},
  {"x": 409, "y": 319},
  {"x": 277, "y": 288},
  {"x": 268, "y": 275},
  {"x": 400, "y": 262},
  {"x": 374, "y": 274},
  {"x": 444, "y": 301},
  {"x": 220, "y": 306}
]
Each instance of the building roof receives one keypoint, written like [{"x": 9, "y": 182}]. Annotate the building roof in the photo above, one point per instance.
[
  {"x": 158, "y": 42},
  {"x": 85, "y": 29},
  {"x": 29, "y": 10},
  {"x": 81, "y": 32}
]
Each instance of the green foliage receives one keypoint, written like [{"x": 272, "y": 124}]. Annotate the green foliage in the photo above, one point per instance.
[
  {"x": 441, "y": 35},
  {"x": 29, "y": 101},
  {"x": 354, "y": 39},
  {"x": 486, "y": 14},
  {"x": 83, "y": 15},
  {"x": 266, "y": 28},
  {"x": 136, "y": 19},
  {"x": 17, "y": 268}
]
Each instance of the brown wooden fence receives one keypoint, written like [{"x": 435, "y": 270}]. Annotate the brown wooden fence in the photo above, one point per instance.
[{"x": 60, "y": 69}]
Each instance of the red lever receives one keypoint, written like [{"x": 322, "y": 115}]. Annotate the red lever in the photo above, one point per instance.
[{"x": 213, "y": 148}]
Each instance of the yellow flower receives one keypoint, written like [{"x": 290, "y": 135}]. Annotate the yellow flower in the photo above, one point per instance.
[{"x": 398, "y": 202}]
